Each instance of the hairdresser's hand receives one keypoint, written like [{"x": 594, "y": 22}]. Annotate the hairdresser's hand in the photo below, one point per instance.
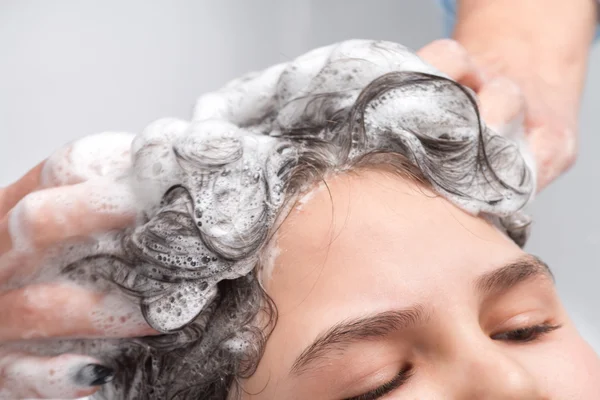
[
  {"x": 512, "y": 95},
  {"x": 501, "y": 100},
  {"x": 71, "y": 195},
  {"x": 547, "y": 110},
  {"x": 542, "y": 46}
]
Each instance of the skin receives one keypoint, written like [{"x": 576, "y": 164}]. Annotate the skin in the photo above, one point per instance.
[
  {"x": 542, "y": 46},
  {"x": 372, "y": 242}
]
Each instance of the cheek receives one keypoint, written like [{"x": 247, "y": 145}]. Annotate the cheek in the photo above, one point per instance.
[{"x": 569, "y": 369}]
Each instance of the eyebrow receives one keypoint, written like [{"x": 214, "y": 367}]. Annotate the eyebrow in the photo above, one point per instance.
[
  {"x": 381, "y": 325},
  {"x": 510, "y": 275},
  {"x": 368, "y": 328}
]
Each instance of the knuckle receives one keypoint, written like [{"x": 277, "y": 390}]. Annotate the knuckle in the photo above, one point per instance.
[
  {"x": 27, "y": 216},
  {"x": 567, "y": 140},
  {"x": 570, "y": 158},
  {"x": 562, "y": 151},
  {"x": 507, "y": 86},
  {"x": 451, "y": 47},
  {"x": 56, "y": 171},
  {"x": 28, "y": 307}
]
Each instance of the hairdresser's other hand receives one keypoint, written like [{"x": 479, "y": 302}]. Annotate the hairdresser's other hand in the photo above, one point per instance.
[
  {"x": 501, "y": 101},
  {"x": 543, "y": 47},
  {"x": 71, "y": 195}
]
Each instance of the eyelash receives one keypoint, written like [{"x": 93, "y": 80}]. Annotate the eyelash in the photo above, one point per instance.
[
  {"x": 527, "y": 334},
  {"x": 521, "y": 335},
  {"x": 388, "y": 387}
]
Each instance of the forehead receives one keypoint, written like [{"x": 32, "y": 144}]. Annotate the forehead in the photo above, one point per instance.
[{"x": 375, "y": 238}]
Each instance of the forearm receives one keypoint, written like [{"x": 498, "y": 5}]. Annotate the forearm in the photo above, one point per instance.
[{"x": 531, "y": 39}]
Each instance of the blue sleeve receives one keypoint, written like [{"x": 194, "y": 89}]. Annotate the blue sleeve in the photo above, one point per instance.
[{"x": 449, "y": 7}]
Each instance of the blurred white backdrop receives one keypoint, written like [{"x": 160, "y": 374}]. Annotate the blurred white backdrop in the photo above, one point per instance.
[{"x": 71, "y": 68}]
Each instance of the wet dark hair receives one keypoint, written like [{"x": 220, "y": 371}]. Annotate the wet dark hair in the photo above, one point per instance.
[{"x": 419, "y": 125}]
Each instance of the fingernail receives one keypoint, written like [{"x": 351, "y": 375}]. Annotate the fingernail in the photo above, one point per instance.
[{"x": 94, "y": 375}]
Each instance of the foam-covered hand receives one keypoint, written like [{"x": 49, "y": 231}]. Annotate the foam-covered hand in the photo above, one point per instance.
[
  {"x": 500, "y": 100},
  {"x": 72, "y": 195}
]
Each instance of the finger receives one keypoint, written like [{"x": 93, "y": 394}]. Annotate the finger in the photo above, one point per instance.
[
  {"x": 554, "y": 150},
  {"x": 68, "y": 376},
  {"x": 12, "y": 194},
  {"x": 61, "y": 310},
  {"x": 50, "y": 216},
  {"x": 100, "y": 155},
  {"x": 502, "y": 106},
  {"x": 453, "y": 59},
  {"x": 106, "y": 154}
]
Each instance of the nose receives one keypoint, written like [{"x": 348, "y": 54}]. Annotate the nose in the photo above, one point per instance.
[{"x": 485, "y": 369}]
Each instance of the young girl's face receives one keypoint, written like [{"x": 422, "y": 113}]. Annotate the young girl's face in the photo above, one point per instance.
[{"x": 386, "y": 291}]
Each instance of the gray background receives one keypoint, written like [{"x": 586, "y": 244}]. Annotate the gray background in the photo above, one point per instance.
[{"x": 70, "y": 68}]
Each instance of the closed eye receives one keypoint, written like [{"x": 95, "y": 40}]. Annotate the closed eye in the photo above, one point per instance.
[
  {"x": 526, "y": 334},
  {"x": 388, "y": 387}
]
